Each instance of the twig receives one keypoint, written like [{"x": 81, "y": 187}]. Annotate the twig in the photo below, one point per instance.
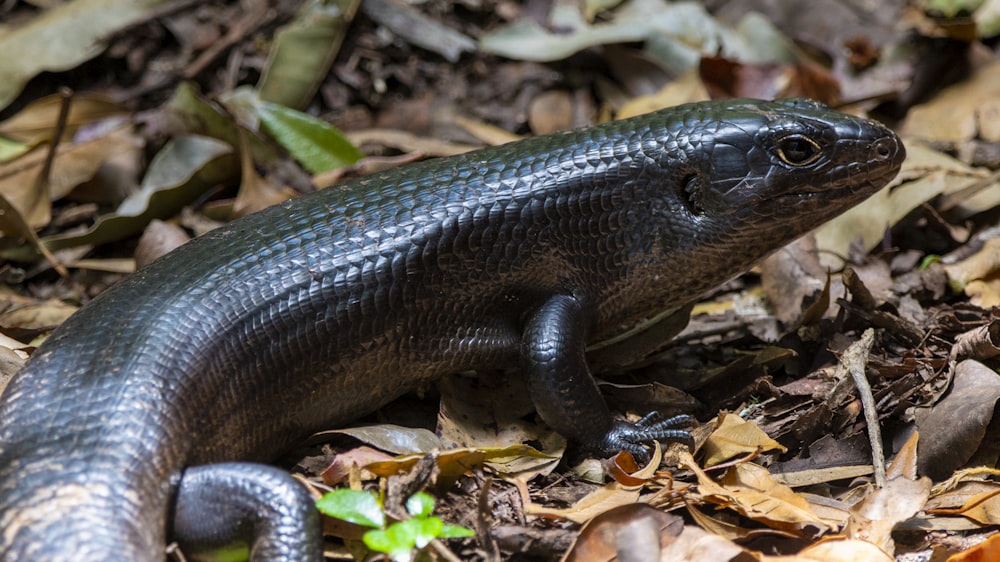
[{"x": 853, "y": 361}]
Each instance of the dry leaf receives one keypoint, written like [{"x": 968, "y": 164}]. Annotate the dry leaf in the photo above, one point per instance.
[
  {"x": 750, "y": 490},
  {"x": 636, "y": 528},
  {"x": 735, "y": 437},
  {"x": 835, "y": 551},
  {"x": 73, "y": 165},
  {"x": 960, "y": 112},
  {"x": 873, "y": 518},
  {"x": 982, "y": 552}
]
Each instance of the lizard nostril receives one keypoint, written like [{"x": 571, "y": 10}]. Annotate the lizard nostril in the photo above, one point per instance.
[{"x": 883, "y": 149}]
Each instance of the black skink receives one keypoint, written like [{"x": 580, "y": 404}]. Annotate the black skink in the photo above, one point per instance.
[{"x": 321, "y": 309}]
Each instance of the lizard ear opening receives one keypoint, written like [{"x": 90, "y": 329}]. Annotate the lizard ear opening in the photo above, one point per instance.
[{"x": 694, "y": 193}]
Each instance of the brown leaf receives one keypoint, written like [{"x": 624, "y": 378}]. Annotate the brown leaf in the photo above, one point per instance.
[
  {"x": 953, "y": 430},
  {"x": 735, "y": 437},
  {"x": 550, "y": 112},
  {"x": 873, "y": 518},
  {"x": 73, "y": 165},
  {"x": 636, "y": 529},
  {"x": 748, "y": 489},
  {"x": 960, "y": 112},
  {"x": 158, "y": 239},
  {"x": 983, "y": 552},
  {"x": 980, "y": 343}
]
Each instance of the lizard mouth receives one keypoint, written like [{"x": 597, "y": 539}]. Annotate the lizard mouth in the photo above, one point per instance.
[{"x": 858, "y": 179}]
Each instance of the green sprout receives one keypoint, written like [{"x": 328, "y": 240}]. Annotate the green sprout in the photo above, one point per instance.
[{"x": 399, "y": 540}]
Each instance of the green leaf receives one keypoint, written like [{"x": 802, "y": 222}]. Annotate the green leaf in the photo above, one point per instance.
[
  {"x": 11, "y": 149},
  {"x": 303, "y": 51},
  {"x": 393, "y": 541},
  {"x": 229, "y": 553},
  {"x": 420, "y": 504},
  {"x": 951, "y": 8},
  {"x": 927, "y": 261},
  {"x": 454, "y": 532},
  {"x": 316, "y": 144},
  {"x": 422, "y": 529},
  {"x": 353, "y": 506}
]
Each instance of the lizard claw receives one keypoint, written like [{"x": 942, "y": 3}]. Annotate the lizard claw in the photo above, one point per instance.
[{"x": 630, "y": 437}]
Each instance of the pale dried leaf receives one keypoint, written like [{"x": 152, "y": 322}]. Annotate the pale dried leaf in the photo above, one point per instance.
[
  {"x": 636, "y": 528},
  {"x": 695, "y": 545},
  {"x": 734, "y": 437},
  {"x": 751, "y": 491},
  {"x": 874, "y": 517},
  {"x": 42, "y": 316},
  {"x": 835, "y": 551},
  {"x": 73, "y": 165},
  {"x": 959, "y": 112},
  {"x": 63, "y": 37}
]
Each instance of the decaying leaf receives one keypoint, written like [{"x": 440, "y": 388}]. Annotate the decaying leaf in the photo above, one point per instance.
[
  {"x": 964, "y": 111},
  {"x": 636, "y": 528},
  {"x": 953, "y": 429},
  {"x": 971, "y": 497},
  {"x": 874, "y": 517},
  {"x": 978, "y": 275},
  {"x": 487, "y": 412},
  {"x": 734, "y": 437},
  {"x": 63, "y": 37},
  {"x": 180, "y": 172},
  {"x": 749, "y": 489},
  {"x": 74, "y": 164},
  {"x": 41, "y": 316},
  {"x": 607, "y": 497}
]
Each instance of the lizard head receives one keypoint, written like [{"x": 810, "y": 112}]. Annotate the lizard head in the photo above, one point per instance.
[
  {"x": 756, "y": 161},
  {"x": 732, "y": 181}
]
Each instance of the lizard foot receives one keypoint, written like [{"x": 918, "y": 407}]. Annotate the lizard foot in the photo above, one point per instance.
[{"x": 630, "y": 437}]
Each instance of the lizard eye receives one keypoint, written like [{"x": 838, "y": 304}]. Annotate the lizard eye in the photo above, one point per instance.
[{"x": 798, "y": 150}]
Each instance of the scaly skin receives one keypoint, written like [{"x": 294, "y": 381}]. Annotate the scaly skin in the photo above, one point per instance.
[{"x": 319, "y": 310}]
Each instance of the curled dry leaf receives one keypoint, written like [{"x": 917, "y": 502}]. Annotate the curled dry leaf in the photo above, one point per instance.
[
  {"x": 972, "y": 498},
  {"x": 339, "y": 470},
  {"x": 74, "y": 164},
  {"x": 183, "y": 170},
  {"x": 749, "y": 489},
  {"x": 980, "y": 343},
  {"x": 952, "y": 430},
  {"x": 874, "y": 517},
  {"x": 605, "y": 498},
  {"x": 637, "y": 528},
  {"x": 37, "y": 317},
  {"x": 979, "y": 275},
  {"x": 734, "y": 437}
]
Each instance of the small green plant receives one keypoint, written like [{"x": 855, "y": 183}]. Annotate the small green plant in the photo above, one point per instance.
[{"x": 399, "y": 540}]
